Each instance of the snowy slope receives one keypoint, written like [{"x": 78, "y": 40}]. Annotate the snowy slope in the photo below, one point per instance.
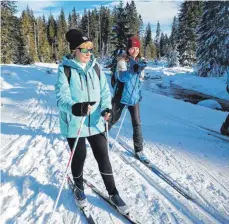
[{"x": 34, "y": 158}]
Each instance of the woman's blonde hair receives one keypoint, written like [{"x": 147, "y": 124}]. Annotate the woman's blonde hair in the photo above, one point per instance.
[{"x": 87, "y": 44}]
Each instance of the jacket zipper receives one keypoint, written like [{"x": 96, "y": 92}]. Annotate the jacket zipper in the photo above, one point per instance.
[
  {"x": 89, "y": 118},
  {"x": 91, "y": 81},
  {"x": 81, "y": 82}
]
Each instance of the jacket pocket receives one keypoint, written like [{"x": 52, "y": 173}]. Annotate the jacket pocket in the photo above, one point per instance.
[{"x": 65, "y": 118}]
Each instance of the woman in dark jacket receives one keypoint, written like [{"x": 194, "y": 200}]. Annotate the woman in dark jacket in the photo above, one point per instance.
[
  {"x": 225, "y": 126},
  {"x": 127, "y": 91}
]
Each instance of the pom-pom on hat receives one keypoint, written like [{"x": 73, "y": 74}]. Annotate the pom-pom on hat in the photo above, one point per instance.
[{"x": 75, "y": 38}]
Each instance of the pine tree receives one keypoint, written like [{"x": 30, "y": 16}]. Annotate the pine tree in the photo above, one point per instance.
[
  {"x": 61, "y": 31},
  {"x": 157, "y": 39},
  {"x": 95, "y": 30},
  {"x": 141, "y": 25},
  {"x": 74, "y": 19},
  {"x": 32, "y": 35},
  {"x": 132, "y": 18},
  {"x": 84, "y": 26},
  {"x": 147, "y": 41},
  {"x": 213, "y": 41},
  {"x": 153, "y": 50},
  {"x": 188, "y": 20},
  {"x": 120, "y": 33},
  {"x": 13, "y": 46},
  {"x": 21, "y": 53},
  {"x": 166, "y": 45},
  {"x": 162, "y": 45},
  {"x": 28, "y": 34},
  {"x": 52, "y": 35},
  {"x": 8, "y": 9},
  {"x": 142, "y": 50},
  {"x": 172, "y": 56},
  {"x": 148, "y": 35},
  {"x": 105, "y": 28},
  {"x": 174, "y": 34},
  {"x": 69, "y": 21},
  {"x": 44, "y": 50}
]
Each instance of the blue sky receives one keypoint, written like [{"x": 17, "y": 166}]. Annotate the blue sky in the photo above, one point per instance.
[{"x": 150, "y": 10}]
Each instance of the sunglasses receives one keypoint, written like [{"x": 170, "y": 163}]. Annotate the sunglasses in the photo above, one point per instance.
[{"x": 85, "y": 50}]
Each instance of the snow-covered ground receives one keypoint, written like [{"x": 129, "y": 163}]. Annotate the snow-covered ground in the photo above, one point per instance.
[{"x": 34, "y": 157}]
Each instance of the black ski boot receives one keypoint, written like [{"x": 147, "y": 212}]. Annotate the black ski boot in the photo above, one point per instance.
[
  {"x": 119, "y": 204},
  {"x": 224, "y": 130},
  {"x": 80, "y": 197},
  {"x": 141, "y": 156}
]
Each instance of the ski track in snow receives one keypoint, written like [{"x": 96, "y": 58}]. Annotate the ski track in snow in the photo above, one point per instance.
[
  {"x": 34, "y": 158},
  {"x": 212, "y": 218}
]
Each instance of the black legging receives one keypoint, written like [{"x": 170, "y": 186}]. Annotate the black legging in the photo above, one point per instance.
[
  {"x": 99, "y": 147},
  {"x": 117, "y": 108},
  {"x": 226, "y": 122}
]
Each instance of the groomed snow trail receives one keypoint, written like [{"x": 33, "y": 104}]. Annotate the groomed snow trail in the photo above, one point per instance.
[{"x": 34, "y": 157}]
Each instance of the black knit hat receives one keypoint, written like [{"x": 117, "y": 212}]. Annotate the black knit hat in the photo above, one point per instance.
[{"x": 75, "y": 38}]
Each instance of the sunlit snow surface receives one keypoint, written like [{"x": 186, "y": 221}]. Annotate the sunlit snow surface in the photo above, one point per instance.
[{"x": 34, "y": 156}]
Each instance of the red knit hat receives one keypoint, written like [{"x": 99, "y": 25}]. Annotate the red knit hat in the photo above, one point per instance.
[{"x": 133, "y": 42}]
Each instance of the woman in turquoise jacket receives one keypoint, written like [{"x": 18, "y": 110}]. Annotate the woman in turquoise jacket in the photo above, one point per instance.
[{"x": 82, "y": 90}]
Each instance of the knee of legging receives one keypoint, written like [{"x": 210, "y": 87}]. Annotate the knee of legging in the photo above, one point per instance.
[
  {"x": 78, "y": 163},
  {"x": 80, "y": 154},
  {"x": 102, "y": 157}
]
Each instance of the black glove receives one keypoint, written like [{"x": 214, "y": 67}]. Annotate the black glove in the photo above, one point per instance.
[
  {"x": 136, "y": 67},
  {"x": 143, "y": 64},
  {"x": 81, "y": 109},
  {"x": 107, "y": 110}
]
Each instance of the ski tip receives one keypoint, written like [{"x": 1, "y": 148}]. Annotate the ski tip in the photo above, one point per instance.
[{"x": 132, "y": 219}]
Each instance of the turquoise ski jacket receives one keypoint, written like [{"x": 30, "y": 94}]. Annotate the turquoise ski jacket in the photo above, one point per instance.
[{"x": 85, "y": 86}]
